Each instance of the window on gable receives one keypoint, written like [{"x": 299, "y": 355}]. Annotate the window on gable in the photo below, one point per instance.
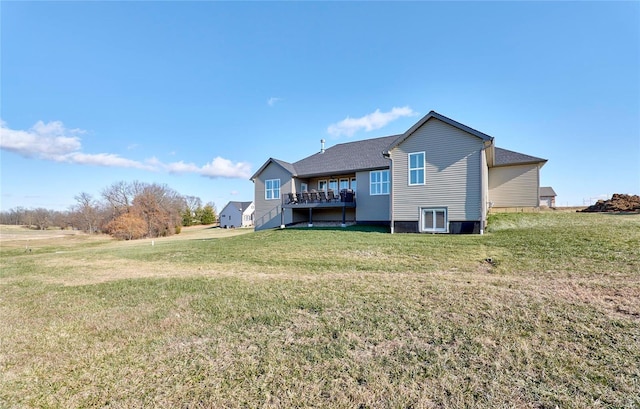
[
  {"x": 379, "y": 182},
  {"x": 416, "y": 168},
  {"x": 272, "y": 189}
]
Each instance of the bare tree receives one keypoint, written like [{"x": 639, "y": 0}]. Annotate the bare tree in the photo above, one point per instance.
[
  {"x": 120, "y": 196},
  {"x": 191, "y": 211},
  {"x": 86, "y": 212},
  {"x": 13, "y": 216},
  {"x": 61, "y": 219},
  {"x": 41, "y": 218}
]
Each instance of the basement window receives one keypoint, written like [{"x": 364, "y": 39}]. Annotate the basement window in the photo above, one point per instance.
[{"x": 433, "y": 220}]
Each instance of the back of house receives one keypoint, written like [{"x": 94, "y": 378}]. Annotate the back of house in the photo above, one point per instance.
[{"x": 440, "y": 176}]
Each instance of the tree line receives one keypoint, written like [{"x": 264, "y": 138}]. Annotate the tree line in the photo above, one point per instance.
[{"x": 125, "y": 210}]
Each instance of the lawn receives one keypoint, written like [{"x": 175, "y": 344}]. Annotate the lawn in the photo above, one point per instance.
[{"x": 542, "y": 311}]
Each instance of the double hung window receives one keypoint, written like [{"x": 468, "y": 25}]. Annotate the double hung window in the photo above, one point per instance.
[
  {"x": 416, "y": 168},
  {"x": 379, "y": 182},
  {"x": 272, "y": 189}
]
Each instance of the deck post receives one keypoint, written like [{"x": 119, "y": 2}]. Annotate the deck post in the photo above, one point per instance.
[
  {"x": 282, "y": 217},
  {"x": 344, "y": 216},
  {"x": 310, "y": 217}
]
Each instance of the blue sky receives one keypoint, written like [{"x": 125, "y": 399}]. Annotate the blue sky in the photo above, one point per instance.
[{"x": 198, "y": 95}]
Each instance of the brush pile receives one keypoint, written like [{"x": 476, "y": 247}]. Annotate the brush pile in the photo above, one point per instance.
[{"x": 617, "y": 203}]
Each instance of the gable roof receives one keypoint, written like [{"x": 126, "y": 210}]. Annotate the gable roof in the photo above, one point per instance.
[
  {"x": 434, "y": 114},
  {"x": 370, "y": 154},
  {"x": 285, "y": 165},
  {"x": 505, "y": 157},
  {"x": 547, "y": 191},
  {"x": 240, "y": 206}
]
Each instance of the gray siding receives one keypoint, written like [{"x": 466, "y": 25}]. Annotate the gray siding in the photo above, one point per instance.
[
  {"x": 453, "y": 173},
  {"x": 230, "y": 216},
  {"x": 514, "y": 186},
  {"x": 370, "y": 208},
  {"x": 268, "y": 211}
]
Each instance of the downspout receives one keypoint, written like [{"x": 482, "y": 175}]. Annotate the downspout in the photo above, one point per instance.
[
  {"x": 388, "y": 156},
  {"x": 538, "y": 189},
  {"x": 483, "y": 193}
]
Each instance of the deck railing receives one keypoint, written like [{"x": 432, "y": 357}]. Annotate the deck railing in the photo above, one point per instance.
[{"x": 319, "y": 199}]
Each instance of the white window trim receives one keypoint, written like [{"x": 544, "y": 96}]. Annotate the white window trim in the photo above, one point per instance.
[
  {"x": 340, "y": 183},
  {"x": 335, "y": 181},
  {"x": 381, "y": 183},
  {"x": 272, "y": 190},
  {"x": 352, "y": 185},
  {"x": 303, "y": 187},
  {"x": 424, "y": 168},
  {"x": 432, "y": 211},
  {"x": 325, "y": 185}
]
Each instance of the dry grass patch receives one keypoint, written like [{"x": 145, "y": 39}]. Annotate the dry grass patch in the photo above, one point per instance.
[{"x": 330, "y": 318}]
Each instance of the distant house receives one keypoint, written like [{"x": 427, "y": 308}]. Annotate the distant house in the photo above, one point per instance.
[
  {"x": 237, "y": 214},
  {"x": 440, "y": 176},
  {"x": 547, "y": 196}
]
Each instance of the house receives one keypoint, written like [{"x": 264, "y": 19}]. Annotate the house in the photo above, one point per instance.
[
  {"x": 547, "y": 196},
  {"x": 440, "y": 176},
  {"x": 237, "y": 214}
]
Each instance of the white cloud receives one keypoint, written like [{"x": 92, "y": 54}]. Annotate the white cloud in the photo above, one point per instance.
[
  {"x": 217, "y": 168},
  {"x": 52, "y": 141},
  {"x": 181, "y": 167},
  {"x": 46, "y": 141},
  {"x": 369, "y": 122},
  {"x": 272, "y": 101},
  {"x": 106, "y": 159},
  {"x": 221, "y": 167}
]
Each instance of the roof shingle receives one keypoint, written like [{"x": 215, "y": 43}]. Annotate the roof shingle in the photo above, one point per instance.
[
  {"x": 346, "y": 158},
  {"x": 369, "y": 154},
  {"x": 506, "y": 157},
  {"x": 547, "y": 191}
]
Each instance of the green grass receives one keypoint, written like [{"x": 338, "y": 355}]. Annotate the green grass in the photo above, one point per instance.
[{"x": 351, "y": 318}]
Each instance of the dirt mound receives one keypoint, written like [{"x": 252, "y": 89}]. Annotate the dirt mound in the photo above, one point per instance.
[{"x": 617, "y": 203}]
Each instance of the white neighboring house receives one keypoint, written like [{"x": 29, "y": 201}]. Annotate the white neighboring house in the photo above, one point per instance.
[{"x": 237, "y": 214}]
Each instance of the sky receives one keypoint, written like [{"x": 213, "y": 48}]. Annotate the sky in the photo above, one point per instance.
[{"x": 198, "y": 95}]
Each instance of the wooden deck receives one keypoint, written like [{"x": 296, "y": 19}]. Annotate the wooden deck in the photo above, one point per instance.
[{"x": 317, "y": 203}]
